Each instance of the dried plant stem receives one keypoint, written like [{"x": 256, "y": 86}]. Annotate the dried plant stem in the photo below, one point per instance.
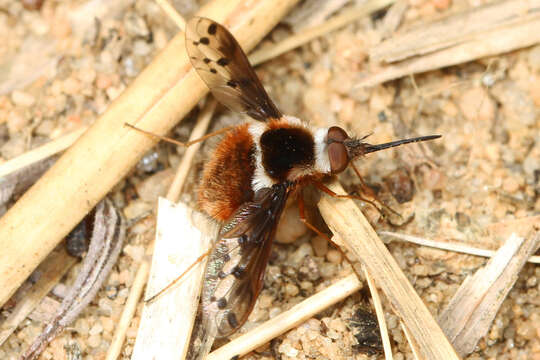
[
  {"x": 338, "y": 21},
  {"x": 161, "y": 95},
  {"x": 40, "y": 153},
  {"x": 288, "y": 319},
  {"x": 470, "y": 313},
  {"x": 380, "y": 314},
  {"x": 345, "y": 218},
  {"x": 461, "y": 248},
  {"x": 130, "y": 307},
  {"x": 172, "y": 14},
  {"x": 52, "y": 270}
]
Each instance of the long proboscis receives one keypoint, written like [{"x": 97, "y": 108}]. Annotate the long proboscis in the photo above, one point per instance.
[{"x": 372, "y": 148}]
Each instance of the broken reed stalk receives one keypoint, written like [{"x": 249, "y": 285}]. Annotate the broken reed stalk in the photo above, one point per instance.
[
  {"x": 345, "y": 218},
  {"x": 288, "y": 319},
  {"x": 163, "y": 93}
]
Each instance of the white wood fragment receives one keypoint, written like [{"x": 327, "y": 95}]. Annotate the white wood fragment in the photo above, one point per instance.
[
  {"x": 469, "y": 315},
  {"x": 167, "y": 321}
]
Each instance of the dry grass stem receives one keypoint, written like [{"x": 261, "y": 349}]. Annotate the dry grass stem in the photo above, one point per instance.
[
  {"x": 171, "y": 12},
  {"x": 413, "y": 344},
  {"x": 305, "y": 36},
  {"x": 36, "y": 155},
  {"x": 393, "y": 18},
  {"x": 52, "y": 270},
  {"x": 288, "y": 319},
  {"x": 345, "y": 218},
  {"x": 380, "y": 315},
  {"x": 469, "y": 315},
  {"x": 484, "y": 31},
  {"x": 130, "y": 307},
  {"x": 161, "y": 95},
  {"x": 461, "y": 248}
]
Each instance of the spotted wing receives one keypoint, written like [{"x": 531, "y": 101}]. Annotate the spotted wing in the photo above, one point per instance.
[
  {"x": 222, "y": 64},
  {"x": 235, "y": 270}
]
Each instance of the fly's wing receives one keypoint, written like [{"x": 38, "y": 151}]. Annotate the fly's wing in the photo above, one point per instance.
[
  {"x": 222, "y": 64},
  {"x": 235, "y": 268}
]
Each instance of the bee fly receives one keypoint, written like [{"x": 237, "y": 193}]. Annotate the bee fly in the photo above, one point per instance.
[{"x": 253, "y": 171}]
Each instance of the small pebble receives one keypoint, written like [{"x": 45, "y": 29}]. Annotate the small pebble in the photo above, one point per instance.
[
  {"x": 137, "y": 208},
  {"x": 291, "y": 290},
  {"x": 21, "y": 98},
  {"x": 476, "y": 104},
  {"x": 155, "y": 185},
  {"x": 298, "y": 256},
  {"x": 265, "y": 301},
  {"x": 320, "y": 245},
  {"x": 82, "y": 326},
  {"x": 134, "y": 252},
  {"x": 103, "y": 81},
  {"x": 96, "y": 329},
  {"x": 334, "y": 256},
  {"x": 94, "y": 341},
  {"x": 290, "y": 226},
  {"x": 108, "y": 324},
  {"x": 16, "y": 121},
  {"x": 510, "y": 185},
  {"x": 71, "y": 86},
  {"x": 32, "y": 4},
  {"x": 442, "y": 4}
]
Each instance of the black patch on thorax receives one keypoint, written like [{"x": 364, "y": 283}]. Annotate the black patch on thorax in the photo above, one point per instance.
[{"x": 285, "y": 148}]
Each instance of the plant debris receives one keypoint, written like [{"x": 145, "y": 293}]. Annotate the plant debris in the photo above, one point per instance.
[{"x": 107, "y": 238}]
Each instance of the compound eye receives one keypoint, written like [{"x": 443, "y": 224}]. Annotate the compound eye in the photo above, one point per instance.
[
  {"x": 336, "y": 134},
  {"x": 339, "y": 159}
]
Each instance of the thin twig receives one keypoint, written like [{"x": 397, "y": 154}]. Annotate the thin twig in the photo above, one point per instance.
[
  {"x": 288, "y": 319},
  {"x": 380, "y": 315},
  {"x": 461, "y": 248},
  {"x": 172, "y": 14},
  {"x": 35, "y": 155},
  {"x": 130, "y": 307},
  {"x": 262, "y": 55}
]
